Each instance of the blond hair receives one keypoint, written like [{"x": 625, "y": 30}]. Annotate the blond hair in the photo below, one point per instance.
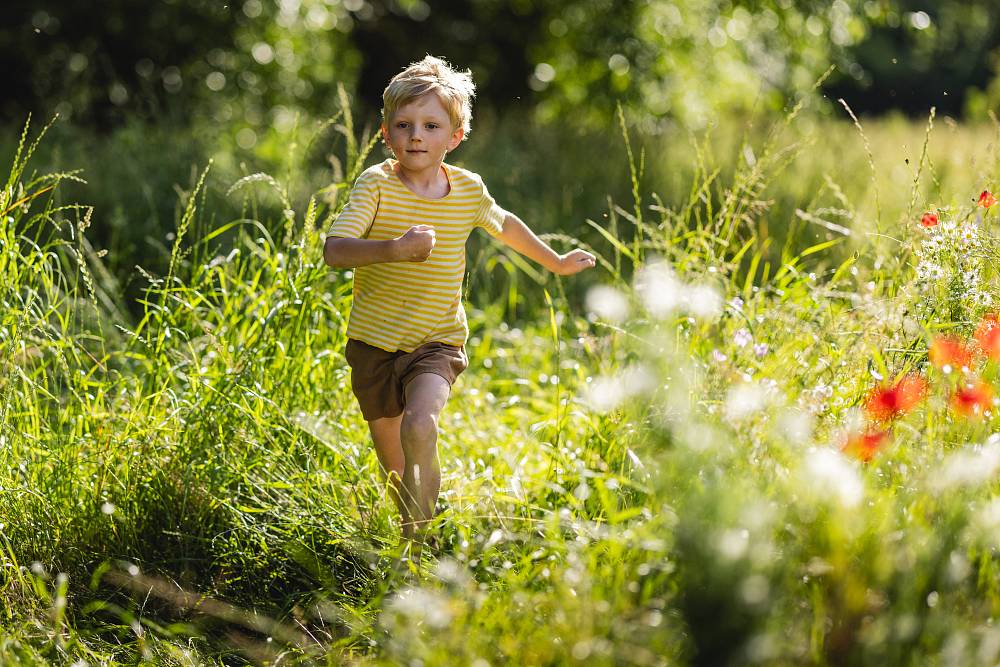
[{"x": 432, "y": 75}]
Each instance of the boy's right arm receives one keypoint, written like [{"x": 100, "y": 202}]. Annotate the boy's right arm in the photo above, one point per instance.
[{"x": 347, "y": 253}]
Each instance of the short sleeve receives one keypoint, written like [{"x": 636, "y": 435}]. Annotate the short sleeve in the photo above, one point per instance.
[
  {"x": 355, "y": 220},
  {"x": 490, "y": 215}
]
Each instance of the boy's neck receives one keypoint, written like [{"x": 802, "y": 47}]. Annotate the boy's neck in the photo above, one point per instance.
[{"x": 431, "y": 183}]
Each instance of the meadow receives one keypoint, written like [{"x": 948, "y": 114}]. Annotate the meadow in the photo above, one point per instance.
[{"x": 760, "y": 432}]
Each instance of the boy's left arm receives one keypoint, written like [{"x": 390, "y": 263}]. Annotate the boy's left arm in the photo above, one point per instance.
[{"x": 517, "y": 235}]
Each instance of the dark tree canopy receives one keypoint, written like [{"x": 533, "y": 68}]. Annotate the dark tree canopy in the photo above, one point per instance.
[{"x": 252, "y": 61}]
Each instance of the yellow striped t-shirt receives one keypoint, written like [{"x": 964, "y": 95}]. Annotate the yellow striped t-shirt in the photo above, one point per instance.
[{"x": 402, "y": 305}]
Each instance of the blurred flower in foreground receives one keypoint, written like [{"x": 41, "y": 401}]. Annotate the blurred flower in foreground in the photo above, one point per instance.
[
  {"x": 608, "y": 392},
  {"x": 972, "y": 399},
  {"x": 607, "y": 302},
  {"x": 420, "y": 604},
  {"x": 928, "y": 220},
  {"x": 745, "y": 399},
  {"x": 949, "y": 351},
  {"x": 887, "y": 402},
  {"x": 986, "y": 199},
  {"x": 662, "y": 293},
  {"x": 659, "y": 288},
  {"x": 969, "y": 467},
  {"x": 988, "y": 337},
  {"x": 830, "y": 473},
  {"x": 703, "y": 301},
  {"x": 865, "y": 445},
  {"x": 742, "y": 338}
]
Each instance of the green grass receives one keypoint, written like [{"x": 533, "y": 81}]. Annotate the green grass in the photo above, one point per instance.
[{"x": 186, "y": 479}]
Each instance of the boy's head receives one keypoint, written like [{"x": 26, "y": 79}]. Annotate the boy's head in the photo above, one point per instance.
[{"x": 432, "y": 75}]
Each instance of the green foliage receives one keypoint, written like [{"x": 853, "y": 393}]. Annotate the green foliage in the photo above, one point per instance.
[{"x": 659, "y": 482}]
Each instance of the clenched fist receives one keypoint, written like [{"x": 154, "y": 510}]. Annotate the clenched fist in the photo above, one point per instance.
[{"x": 416, "y": 244}]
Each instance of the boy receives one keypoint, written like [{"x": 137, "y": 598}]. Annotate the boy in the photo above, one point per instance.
[{"x": 404, "y": 231}]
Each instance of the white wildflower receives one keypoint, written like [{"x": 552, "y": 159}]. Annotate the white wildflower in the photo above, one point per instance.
[
  {"x": 704, "y": 301},
  {"x": 742, "y": 338},
  {"x": 420, "y": 604},
  {"x": 744, "y": 400},
  {"x": 830, "y": 474},
  {"x": 608, "y": 303},
  {"x": 969, "y": 467},
  {"x": 608, "y": 392},
  {"x": 659, "y": 288}
]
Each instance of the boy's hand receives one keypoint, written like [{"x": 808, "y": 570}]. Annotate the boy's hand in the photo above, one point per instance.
[
  {"x": 573, "y": 262},
  {"x": 416, "y": 244}
]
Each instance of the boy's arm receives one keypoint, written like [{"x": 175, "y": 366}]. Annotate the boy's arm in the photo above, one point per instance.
[
  {"x": 517, "y": 236},
  {"x": 347, "y": 253}
]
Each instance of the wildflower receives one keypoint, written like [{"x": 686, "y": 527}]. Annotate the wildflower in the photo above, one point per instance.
[
  {"x": 659, "y": 288},
  {"x": 608, "y": 303},
  {"x": 928, "y": 220},
  {"x": 760, "y": 349},
  {"x": 972, "y": 399},
  {"x": 736, "y": 303},
  {"x": 863, "y": 446},
  {"x": 703, "y": 301},
  {"x": 986, "y": 199},
  {"x": 743, "y": 400},
  {"x": 927, "y": 270},
  {"x": 831, "y": 475},
  {"x": 950, "y": 351},
  {"x": 885, "y": 403},
  {"x": 742, "y": 338},
  {"x": 719, "y": 356},
  {"x": 988, "y": 337}
]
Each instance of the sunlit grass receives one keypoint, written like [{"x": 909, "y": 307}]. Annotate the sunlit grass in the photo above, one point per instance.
[{"x": 652, "y": 477}]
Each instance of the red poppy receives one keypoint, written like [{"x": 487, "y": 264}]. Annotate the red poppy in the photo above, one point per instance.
[
  {"x": 986, "y": 199},
  {"x": 972, "y": 399},
  {"x": 864, "y": 445},
  {"x": 884, "y": 403},
  {"x": 988, "y": 336},
  {"x": 928, "y": 220},
  {"x": 950, "y": 351}
]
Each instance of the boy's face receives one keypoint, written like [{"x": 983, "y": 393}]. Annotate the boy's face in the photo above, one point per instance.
[{"x": 420, "y": 133}]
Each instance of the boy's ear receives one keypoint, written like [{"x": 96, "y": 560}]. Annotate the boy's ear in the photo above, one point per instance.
[
  {"x": 385, "y": 133},
  {"x": 456, "y": 139}
]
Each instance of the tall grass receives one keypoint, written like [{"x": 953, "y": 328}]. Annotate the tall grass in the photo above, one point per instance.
[{"x": 653, "y": 479}]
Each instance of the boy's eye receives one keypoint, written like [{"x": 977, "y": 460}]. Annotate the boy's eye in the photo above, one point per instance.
[
  {"x": 432, "y": 126},
  {"x": 402, "y": 124}
]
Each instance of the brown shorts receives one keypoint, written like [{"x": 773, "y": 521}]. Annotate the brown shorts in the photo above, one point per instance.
[{"x": 379, "y": 378}]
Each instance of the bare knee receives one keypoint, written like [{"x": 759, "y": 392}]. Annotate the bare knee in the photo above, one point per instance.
[
  {"x": 393, "y": 473},
  {"x": 418, "y": 430}
]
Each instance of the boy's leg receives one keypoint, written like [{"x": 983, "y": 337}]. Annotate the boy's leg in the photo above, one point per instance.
[
  {"x": 385, "y": 435},
  {"x": 426, "y": 394}
]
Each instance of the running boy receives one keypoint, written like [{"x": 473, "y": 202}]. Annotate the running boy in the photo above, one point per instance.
[{"x": 404, "y": 231}]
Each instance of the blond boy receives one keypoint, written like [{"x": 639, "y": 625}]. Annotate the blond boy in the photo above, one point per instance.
[{"x": 404, "y": 231}]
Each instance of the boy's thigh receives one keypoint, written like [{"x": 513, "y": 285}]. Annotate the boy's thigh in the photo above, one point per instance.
[
  {"x": 446, "y": 361},
  {"x": 374, "y": 380},
  {"x": 426, "y": 394}
]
